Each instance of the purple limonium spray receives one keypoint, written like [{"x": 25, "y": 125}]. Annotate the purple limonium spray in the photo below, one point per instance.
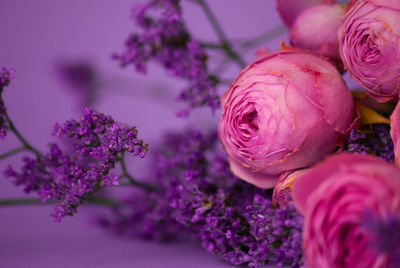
[
  {"x": 165, "y": 39},
  {"x": 100, "y": 143},
  {"x": 372, "y": 139},
  {"x": 202, "y": 198},
  {"x": 225, "y": 213},
  {"x": 6, "y": 75}
]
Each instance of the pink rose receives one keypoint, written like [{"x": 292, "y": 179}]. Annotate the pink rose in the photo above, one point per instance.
[
  {"x": 290, "y": 9},
  {"x": 369, "y": 45},
  {"x": 316, "y": 29},
  {"x": 285, "y": 111},
  {"x": 395, "y": 132},
  {"x": 334, "y": 197}
]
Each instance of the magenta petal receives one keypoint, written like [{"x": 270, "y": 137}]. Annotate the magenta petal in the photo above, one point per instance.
[
  {"x": 264, "y": 181},
  {"x": 316, "y": 29},
  {"x": 309, "y": 181},
  {"x": 338, "y": 105},
  {"x": 290, "y": 9}
]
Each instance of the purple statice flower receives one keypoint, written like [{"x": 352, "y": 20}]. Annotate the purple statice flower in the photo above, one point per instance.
[
  {"x": 202, "y": 198},
  {"x": 256, "y": 235},
  {"x": 99, "y": 142},
  {"x": 384, "y": 235},
  {"x": 81, "y": 77},
  {"x": 372, "y": 139},
  {"x": 145, "y": 215},
  {"x": 165, "y": 39},
  {"x": 6, "y": 75},
  {"x": 222, "y": 210},
  {"x": 100, "y": 137}
]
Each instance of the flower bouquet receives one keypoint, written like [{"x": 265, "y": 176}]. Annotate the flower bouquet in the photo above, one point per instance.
[{"x": 301, "y": 171}]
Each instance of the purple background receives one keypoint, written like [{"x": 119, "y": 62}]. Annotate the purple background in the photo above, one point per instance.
[{"x": 35, "y": 35}]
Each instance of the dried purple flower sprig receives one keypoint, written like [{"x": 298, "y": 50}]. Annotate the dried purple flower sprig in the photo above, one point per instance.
[
  {"x": 99, "y": 143},
  {"x": 6, "y": 75},
  {"x": 202, "y": 198},
  {"x": 372, "y": 139},
  {"x": 165, "y": 39}
]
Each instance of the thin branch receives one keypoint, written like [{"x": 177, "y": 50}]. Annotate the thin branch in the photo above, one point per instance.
[
  {"x": 211, "y": 45},
  {"x": 225, "y": 44},
  {"x": 36, "y": 201},
  {"x": 26, "y": 144},
  {"x": 132, "y": 180},
  {"x": 12, "y": 152},
  {"x": 264, "y": 37}
]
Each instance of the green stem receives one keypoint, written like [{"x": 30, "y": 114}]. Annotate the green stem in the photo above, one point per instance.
[
  {"x": 132, "y": 180},
  {"x": 26, "y": 144},
  {"x": 225, "y": 44},
  {"x": 264, "y": 37},
  {"x": 211, "y": 45},
  {"x": 12, "y": 152},
  {"x": 36, "y": 201}
]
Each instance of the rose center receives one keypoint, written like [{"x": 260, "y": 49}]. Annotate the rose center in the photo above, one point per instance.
[
  {"x": 370, "y": 51},
  {"x": 250, "y": 119}
]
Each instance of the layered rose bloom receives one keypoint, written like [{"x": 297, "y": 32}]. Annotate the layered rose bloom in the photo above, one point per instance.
[
  {"x": 334, "y": 197},
  {"x": 316, "y": 29},
  {"x": 369, "y": 45},
  {"x": 285, "y": 111},
  {"x": 290, "y": 9},
  {"x": 395, "y": 132}
]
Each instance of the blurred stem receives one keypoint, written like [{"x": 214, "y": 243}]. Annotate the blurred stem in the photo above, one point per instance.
[
  {"x": 264, "y": 37},
  {"x": 211, "y": 45},
  {"x": 225, "y": 44},
  {"x": 12, "y": 152},
  {"x": 132, "y": 180},
  {"x": 26, "y": 144},
  {"x": 36, "y": 201}
]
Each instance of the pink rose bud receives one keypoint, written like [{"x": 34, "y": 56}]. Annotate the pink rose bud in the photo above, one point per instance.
[
  {"x": 285, "y": 111},
  {"x": 369, "y": 45},
  {"x": 290, "y": 9},
  {"x": 334, "y": 197},
  {"x": 283, "y": 189},
  {"x": 316, "y": 29},
  {"x": 395, "y": 132}
]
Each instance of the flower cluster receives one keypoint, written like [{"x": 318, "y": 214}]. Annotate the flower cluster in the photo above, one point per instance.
[
  {"x": 256, "y": 235},
  {"x": 372, "y": 139},
  {"x": 99, "y": 142},
  {"x": 165, "y": 39},
  {"x": 100, "y": 137},
  {"x": 6, "y": 75},
  {"x": 145, "y": 215},
  {"x": 232, "y": 219},
  {"x": 288, "y": 121}
]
